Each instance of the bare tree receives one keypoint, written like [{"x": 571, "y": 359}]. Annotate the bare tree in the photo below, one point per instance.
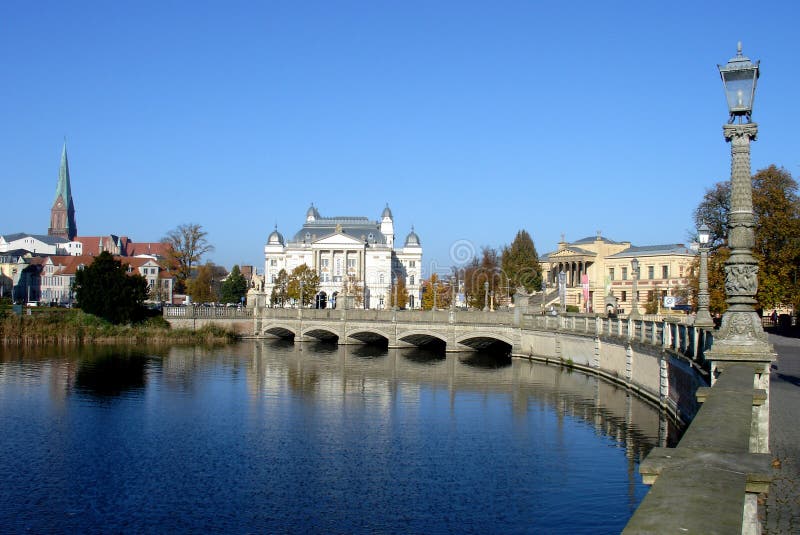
[{"x": 187, "y": 246}]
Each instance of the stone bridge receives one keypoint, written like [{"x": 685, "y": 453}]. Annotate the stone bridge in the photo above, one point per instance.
[{"x": 452, "y": 331}]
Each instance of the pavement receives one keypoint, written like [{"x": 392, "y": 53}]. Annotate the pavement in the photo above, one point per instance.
[{"x": 782, "y": 507}]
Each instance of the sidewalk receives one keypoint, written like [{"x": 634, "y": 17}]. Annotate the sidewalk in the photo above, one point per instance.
[{"x": 783, "y": 502}]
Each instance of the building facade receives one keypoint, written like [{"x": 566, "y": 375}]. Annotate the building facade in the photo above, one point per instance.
[
  {"x": 39, "y": 244},
  {"x": 347, "y": 250},
  {"x": 605, "y": 266}
]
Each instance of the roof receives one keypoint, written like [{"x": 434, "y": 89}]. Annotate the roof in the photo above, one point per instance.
[
  {"x": 49, "y": 240},
  {"x": 654, "y": 250},
  {"x": 357, "y": 227},
  {"x": 592, "y": 239},
  {"x": 147, "y": 248}
]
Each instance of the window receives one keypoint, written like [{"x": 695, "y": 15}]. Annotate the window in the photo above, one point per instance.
[
  {"x": 624, "y": 296},
  {"x": 611, "y": 274},
  {"x": 649, "y": 295},
  {"x": 381, "y": 279},
  {"x": 651, "y": 272},
  {"x": 273, "y": 262},
  {"x": 411, "y": 280},
  {"x": 351, "y": 263},
  {"x": 624, "y": 273},
  {"x": 664, "y": 272},
  {"x": 325, "y": 262},
  {"x": 412, "y": 263},
  {"x": 680, "y": 271}
]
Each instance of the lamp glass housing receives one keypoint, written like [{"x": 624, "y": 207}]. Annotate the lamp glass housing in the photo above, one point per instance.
[
  {"x": 635, "y": 265},
  {"x": 739, "y": 77},
  {"x": 703, "y": 234}
]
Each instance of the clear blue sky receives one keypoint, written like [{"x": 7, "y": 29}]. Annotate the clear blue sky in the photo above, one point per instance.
[{"x": 472, "y": 119}]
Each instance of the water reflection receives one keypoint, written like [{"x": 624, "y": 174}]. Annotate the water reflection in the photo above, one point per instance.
[
  {"x": 112, "y": 373},
  {"x": 270, "y": 436}
]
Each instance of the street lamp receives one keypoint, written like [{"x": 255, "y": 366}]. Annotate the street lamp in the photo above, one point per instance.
[
  {"x": 435, "y": 288},
  {"x": 741, "y": 324},
  {"x": 634, "y": 315},
  {"x": 703, "y": 318},
  {"x": 486, "y": 296},
  {"x": 302, "y": 285}
]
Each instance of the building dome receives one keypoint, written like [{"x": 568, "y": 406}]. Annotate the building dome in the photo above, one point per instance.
[
  {"x": 312, "y": 214},
  {"x": 386, "y": 212},
  {"x": 412, "y": 240},
  {"x": 275, "y": 238}
]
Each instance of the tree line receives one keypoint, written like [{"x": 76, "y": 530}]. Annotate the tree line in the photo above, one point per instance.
[{"x": 776, "y": 207}]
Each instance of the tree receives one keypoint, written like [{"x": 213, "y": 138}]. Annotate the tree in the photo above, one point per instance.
[
  {"x": 106, "y": 289},
  {"x": 201, "y": 288},
  {"x": 477, "y": 274},
  {"x": 310, "y": 286},
  {"x": 352, "y": 287},
  {"x": 280, "y": 289},
  {"x": 520, "y": 263},
  {"x": 433, "y": 286},
  {"x": 187, "y": 245},
  {"x": 234, "y": 287},
  {"x": 399, "y": 289},
  {"x": 776, "y": 208}
]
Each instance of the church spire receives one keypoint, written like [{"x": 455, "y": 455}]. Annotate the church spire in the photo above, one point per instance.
[{"x": 62, "y": 214}]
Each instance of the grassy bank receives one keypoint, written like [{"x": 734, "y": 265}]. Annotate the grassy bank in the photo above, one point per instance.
[{"x": 64, "y": 326}]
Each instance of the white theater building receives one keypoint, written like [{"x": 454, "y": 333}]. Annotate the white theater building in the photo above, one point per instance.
[{"x": 342, "y": 248}]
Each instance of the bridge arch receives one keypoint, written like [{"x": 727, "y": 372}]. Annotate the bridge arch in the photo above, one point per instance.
[
  {"x": 486, "y": 342},
  {"x": 369, "y": 336},
  {"x": 424, "y": 338},
  {"x": 320, "y": 333},
  {"x": 279, "y": 331}
]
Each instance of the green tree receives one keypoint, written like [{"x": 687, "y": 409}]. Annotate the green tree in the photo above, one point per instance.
[
  {"x": 280, "y": 289},
  {"x": 310, "y": 285},
  {"x": 202, "y": 288},
  {"x": 776, "y": 208},
  {"x": 520, "y": 263},
  {"x": 187, "y": 245},
  {"x": 106, "y": 289},
  {"x": 234, "y": 287}
]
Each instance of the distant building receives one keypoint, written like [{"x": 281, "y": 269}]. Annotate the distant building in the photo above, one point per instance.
[
  {"x": 39, "y": 244},
  {"x": 52, "y": 281},
  {"x": 342, "y": 248},
  {"x": 62, "y": 213},
  {"x": 663, "y": 271},
  {"x": 122, "y": 246}
]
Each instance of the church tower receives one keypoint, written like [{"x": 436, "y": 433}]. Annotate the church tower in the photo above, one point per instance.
[{"x": 62, "y": 214}]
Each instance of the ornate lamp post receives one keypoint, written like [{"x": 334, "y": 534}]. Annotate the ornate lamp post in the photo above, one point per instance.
[
  {"x": 741, "y": 337},
  {"x": 300, "y": 310},
  {"x": 703, "y": 318},
  {"x": 740, "y": 323},
  {"x": 634, "y": 315},
  {"x": 486, "y": 296}
]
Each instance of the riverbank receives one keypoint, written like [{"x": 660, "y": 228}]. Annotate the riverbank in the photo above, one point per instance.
[{"x": 48, "y": 326}]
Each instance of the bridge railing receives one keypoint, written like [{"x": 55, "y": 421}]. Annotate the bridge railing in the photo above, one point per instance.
[
  {"x": 403, "y": 316},
  {"x": 670, "y": 334},
  {"x": 198, "y": 312}
]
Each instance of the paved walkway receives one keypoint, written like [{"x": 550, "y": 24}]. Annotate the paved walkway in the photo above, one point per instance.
[{"x": 783, "y": 502}]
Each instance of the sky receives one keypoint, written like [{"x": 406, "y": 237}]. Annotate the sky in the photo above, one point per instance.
[{"x": 472, "y": 120}]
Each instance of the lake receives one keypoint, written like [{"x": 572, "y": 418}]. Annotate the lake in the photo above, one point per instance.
[{"x": 275, "y": 437}]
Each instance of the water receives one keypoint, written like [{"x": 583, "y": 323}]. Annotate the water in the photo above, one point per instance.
[{"x": 269, "y": 437}]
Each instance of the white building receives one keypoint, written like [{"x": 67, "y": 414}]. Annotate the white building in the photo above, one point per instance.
[
  {"x": 338, "y": 248},
  {"x": 39, "y": 244}
]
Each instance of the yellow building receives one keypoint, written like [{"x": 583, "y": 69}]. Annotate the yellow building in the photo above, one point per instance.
[{"x": 605, "y": 265}]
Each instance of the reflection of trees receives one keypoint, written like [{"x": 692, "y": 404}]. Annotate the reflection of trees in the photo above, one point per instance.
[{"x": 111, "y": 372}]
